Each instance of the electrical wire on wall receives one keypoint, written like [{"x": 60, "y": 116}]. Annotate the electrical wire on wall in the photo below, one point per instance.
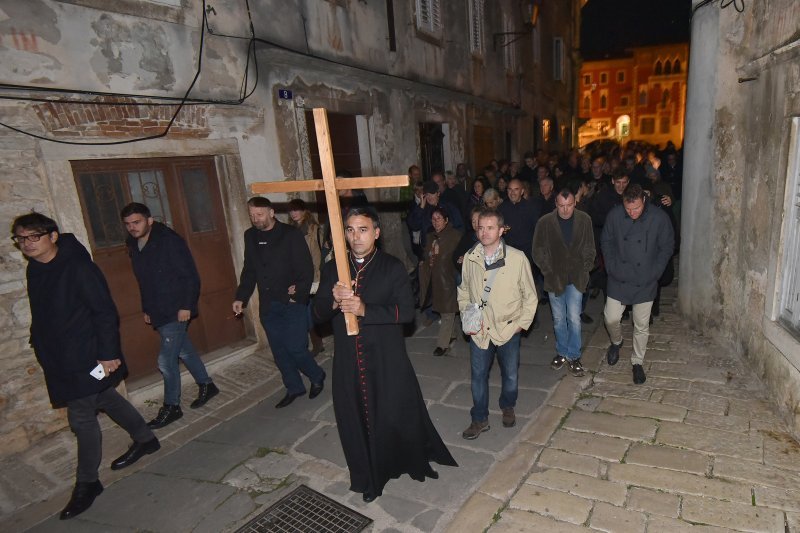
[{"x": 182, "y": 101}]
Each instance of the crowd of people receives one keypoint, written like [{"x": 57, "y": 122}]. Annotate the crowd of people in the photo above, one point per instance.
[
  {"x": 491, "y": 248},
  {"x": 584, "y": 223}
]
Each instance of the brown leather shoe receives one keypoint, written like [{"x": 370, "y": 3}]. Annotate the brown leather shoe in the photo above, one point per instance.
[
  {"x": 475, "y": 429},
  {"x": 509, "y": 419}
]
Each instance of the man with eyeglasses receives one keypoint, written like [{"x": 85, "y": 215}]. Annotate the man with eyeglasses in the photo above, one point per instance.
[{"x": 75, "y": 329}]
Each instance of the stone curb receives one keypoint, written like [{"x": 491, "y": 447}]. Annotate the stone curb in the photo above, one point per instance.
[{"x": 484, "y": 506}]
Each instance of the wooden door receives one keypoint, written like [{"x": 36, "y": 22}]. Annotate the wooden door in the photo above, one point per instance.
[
  {"x": 183, "y": 194},
  {"x": 483, "y": 146}
]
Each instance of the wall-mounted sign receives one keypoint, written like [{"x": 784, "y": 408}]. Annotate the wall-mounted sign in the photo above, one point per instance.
[{"x": 284, "y": 94}]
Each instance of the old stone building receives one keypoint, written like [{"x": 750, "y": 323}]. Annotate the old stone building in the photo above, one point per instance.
[
  {"x": 183, "y": 104},
  {"x": 740, "y": 255},
  {"x": 640, "y": 97}
]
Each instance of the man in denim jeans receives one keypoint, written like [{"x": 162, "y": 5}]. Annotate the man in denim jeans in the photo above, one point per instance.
[
  {"x": 170, "y": 287},
  {"x": 277, "y": 261},
  {"x": 563, "y": 248},
  {"x": 507, "y": 309}
]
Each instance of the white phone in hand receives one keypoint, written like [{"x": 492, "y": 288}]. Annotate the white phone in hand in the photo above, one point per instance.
[{"x": 97, "y": 372}]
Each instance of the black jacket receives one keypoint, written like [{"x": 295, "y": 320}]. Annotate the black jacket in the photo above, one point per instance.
[
  {"x": 167, "y": 276},
  {"x": 74, "y": 322},
  {"x": 274, "y": 260},
  {"x": 522, "y": 217}
]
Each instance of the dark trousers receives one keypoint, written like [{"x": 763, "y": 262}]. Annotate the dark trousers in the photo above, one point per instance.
[
  {"x": 82, "y": 416},
  {"x": 286, "y": 326}
]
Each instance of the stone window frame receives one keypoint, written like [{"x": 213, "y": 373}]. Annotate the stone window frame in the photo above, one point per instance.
[
  {"x": 604, "y": 78},
  {"x": 778, "y": 328}
]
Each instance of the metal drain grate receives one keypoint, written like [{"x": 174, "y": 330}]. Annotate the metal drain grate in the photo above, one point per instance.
[{"x": 306, "y": 510}]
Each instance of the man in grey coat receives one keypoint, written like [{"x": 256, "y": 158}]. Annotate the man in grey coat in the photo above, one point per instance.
[{"x": 637, "y": 243}]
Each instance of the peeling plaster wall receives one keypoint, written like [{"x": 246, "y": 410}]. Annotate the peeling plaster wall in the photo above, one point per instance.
[
  {"x": 735, "y": 183},
  {"x": 141, "y": 48}
]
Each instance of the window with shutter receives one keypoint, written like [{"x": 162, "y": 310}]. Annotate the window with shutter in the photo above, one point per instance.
[
  {"x": 476, "y": 27},
  {"x": 429, "y": 16}
]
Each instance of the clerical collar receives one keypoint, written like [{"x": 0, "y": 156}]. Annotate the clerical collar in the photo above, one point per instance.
[{"x": 359, "y": 263}]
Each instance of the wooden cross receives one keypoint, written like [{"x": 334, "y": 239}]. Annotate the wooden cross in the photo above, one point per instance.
[{"x": 331, "y": 184}]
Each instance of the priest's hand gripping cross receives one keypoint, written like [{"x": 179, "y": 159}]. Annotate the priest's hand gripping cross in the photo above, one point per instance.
[{"x": 331, "y": 184}]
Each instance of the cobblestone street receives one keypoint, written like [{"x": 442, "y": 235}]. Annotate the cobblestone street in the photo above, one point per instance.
[{"x": 696, "y": 448}]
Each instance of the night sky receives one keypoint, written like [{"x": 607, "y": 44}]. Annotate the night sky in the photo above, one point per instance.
[{"x": 610, "y": 26}]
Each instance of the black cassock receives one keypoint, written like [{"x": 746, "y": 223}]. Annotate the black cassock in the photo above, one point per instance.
[{"x": 383, "y": 423}]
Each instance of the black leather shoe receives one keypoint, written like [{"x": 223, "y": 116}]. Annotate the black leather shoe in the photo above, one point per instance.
[
  {"x": 612, "y": 355},
  {"x": 368, "y": 497},
  {"x": 206, "y": 392},
  {"x": 638, "y": 375},
  {"x": 316, "y": 388},
  {"x": 166, "y": 415},
  {"x": 136, "y": 452},
  {"x": 83, "y": 496},
  {"x": 288, "y": 399},
  {"x": 438, "y": 352}
]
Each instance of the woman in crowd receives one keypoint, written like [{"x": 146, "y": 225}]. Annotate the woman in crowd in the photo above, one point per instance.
[
  {"x": 479, "y": 187},
  {"x": 492, "y": 199},
  {"x": 436, "y": 271}
]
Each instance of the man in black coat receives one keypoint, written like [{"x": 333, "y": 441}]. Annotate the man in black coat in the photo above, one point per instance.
[
  {"x": 75, "y": 336},
  {"x": 170, "y": 287},
  {"x": 637, "y": 244},
  {"x": 277, "y": 260},
  {"x": 381, "y": 416}
]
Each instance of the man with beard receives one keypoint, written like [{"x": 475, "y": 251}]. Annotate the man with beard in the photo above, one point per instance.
[
  {"x": 277, "y": 259},
  {"x": 381, "y": 416}
]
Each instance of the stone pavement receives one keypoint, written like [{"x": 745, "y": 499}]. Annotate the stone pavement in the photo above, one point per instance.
[
  {"x": 697, "y": 448},
  {"x": 221, "y": 465}
]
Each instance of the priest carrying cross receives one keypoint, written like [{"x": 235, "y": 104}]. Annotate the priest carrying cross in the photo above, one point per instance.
[{"x": 277, "y": 261}]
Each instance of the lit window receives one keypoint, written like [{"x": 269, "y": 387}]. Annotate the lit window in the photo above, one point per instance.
[{"x": 546, "y": 130}]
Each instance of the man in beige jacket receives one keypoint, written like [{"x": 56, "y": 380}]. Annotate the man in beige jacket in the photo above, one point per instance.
[{"x": 507, "y": 308}]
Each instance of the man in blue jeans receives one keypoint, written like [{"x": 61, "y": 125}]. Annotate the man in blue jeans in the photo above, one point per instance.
[
  {"x": 498, "y": 279},
  {"x": 277, "y": 260},
  {"x": 170, "y": 287},
  {"x": 563, "y": 249}
]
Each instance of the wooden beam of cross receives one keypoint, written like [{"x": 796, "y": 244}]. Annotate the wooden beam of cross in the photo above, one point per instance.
[{"x": 331, "y": 185}]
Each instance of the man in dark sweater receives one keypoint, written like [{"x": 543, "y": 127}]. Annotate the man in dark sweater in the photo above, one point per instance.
[
  {"x": 170, "y": 287},
  {"x": 277, "y": 260},
  {"x": 75, "y": 329}
]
